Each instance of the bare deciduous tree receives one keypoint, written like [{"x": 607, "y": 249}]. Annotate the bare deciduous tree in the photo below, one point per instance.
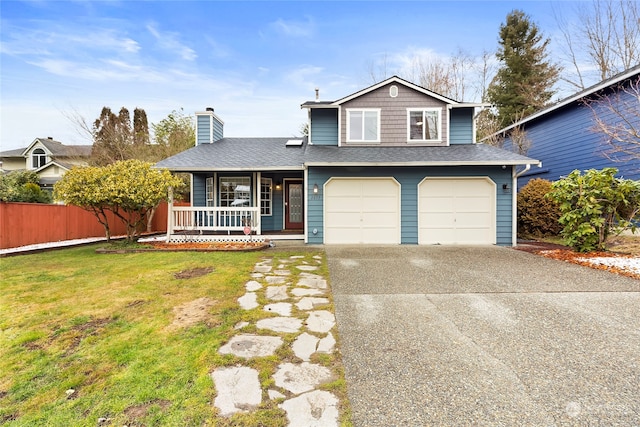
[
  {"x": 605, "y": 38},
  {"x": 616, "y": 117}
]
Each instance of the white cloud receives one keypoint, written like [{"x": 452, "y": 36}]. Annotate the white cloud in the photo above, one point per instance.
[
  {"x": 293, "y": 28},
  {"x": 169, "y": 41}
]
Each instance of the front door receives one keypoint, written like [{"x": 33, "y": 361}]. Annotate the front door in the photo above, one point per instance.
[{"x": 293, "y": 205}]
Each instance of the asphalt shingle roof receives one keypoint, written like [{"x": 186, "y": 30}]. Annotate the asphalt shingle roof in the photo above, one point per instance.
[{"x": 272, "y": 153}]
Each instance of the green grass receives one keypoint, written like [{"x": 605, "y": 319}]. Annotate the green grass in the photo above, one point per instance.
[{"x": 101, "y": 325}]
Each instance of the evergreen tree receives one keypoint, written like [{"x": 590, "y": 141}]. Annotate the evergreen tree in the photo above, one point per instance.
[
  {"x": 523, "y": 83},
  {"x": 140, "y": 127}
]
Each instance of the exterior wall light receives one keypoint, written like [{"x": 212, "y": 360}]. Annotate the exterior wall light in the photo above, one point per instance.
[{"x": 315, "y": 188}]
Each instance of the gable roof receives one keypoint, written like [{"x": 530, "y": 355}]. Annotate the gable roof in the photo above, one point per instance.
[
  {"x": 58, "y": 149},
  {"x": 604, "y": 84},
  {"x": 395, "y": 79},
  {"x": 261, "y": 154}
]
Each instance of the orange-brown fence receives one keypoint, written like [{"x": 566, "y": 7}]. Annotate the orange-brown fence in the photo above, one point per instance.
[{"x": 30, "y": 223}]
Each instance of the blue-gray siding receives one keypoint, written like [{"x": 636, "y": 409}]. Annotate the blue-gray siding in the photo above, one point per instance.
[
  {"x": 461, "y": 126},
  {"x": 204, "y": 122},
  {"x": 324, "y": 126},
  {"x": 565, "y": 140},
  {"x": 409, "y": 178}
]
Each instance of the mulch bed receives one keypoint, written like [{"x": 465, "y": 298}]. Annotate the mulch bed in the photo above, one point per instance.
[{"x": 566, "y": 254}]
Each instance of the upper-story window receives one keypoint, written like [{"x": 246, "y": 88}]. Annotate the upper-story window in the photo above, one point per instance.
[
  {"x": 363, "y": 125},
  {"x": 424, "y": 125},
  {"x": 38, "y": 158}
]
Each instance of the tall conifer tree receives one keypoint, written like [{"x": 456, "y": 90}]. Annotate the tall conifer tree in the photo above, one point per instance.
[{"x": 525, "y": 79}]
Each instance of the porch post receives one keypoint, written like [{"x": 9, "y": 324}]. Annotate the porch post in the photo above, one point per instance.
[
  {"x": 259, "y": 202},
  {"x": 169, "y": 213}
]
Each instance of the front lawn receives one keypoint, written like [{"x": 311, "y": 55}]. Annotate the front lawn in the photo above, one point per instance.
[{"x": 128, "y": 339}]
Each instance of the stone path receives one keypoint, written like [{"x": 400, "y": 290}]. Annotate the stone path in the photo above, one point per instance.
[{"x": 294, "y": 307}]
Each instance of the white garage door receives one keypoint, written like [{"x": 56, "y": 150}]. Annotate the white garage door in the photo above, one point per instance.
[
  {"x": 362, "y": 210},
  {"x": 457, "y": 211}
]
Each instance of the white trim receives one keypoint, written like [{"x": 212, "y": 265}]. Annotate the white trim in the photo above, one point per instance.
[
  {"x": 378, "y": 112},
  {"x": 398, "y": 80},
  {"x": 48, "y": 164},
  {"x": 222, "y": 169},
  {"x": 340, "y": 126},
  {"x": 360, "y": 178},
  {"x": 425, "y": 163},
  {"x": 440, "y": 130},
  {"x": 494, "y": 207},
  {"x": 305, "y": 189}
]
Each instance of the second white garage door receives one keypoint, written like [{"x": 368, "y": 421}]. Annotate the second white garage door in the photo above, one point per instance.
[
  {"x": 362, "y": 210},
  {"x": 457, "y": 211}
]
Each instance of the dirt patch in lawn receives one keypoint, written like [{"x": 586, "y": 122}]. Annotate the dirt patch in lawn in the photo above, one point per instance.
[
  {"x": 138, "y": 412},
  {"x": 192, "y": 312},
  {"x": 193, "y": 272}
]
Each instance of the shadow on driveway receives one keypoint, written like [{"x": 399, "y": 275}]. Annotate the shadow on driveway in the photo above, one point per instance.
[{"x": 442, "y": 335}]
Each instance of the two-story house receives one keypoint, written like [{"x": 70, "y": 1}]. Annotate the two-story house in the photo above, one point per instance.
[
  {"x": 48, "y": 158},
  {"x": 393, "y": 163}
]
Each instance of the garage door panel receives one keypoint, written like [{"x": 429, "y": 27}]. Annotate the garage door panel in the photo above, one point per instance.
[
  {"x": 457, "y": 211},
  {"x": 362, "y": 211}
]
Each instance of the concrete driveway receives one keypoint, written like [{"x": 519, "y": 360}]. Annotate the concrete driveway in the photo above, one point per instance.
[{"x": 442, "y": 335}]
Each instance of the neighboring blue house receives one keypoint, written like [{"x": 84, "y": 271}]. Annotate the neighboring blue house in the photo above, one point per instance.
[
  {"x": 391, "y": 164},
  {"x": 563, "y": 136}
]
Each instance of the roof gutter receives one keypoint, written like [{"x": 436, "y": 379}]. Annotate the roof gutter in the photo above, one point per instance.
[{"x": 433, "y": 163}]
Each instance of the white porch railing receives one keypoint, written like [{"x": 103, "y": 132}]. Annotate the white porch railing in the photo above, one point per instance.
[{"x": 199, "y": 218}]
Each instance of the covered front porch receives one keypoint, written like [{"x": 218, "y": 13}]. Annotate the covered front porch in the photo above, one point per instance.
[{"x": 240, "y": 206}]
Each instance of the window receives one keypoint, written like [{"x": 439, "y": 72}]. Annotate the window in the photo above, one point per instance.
[
  {"x": 424, "y": 125},
  {"x": 209, "y": 191},
  {"x": 363, "y": 125},
  {"x": 235, "y": 191},
  {"x": 265, "y": 196},
  {"x": 39, "y": 158}
]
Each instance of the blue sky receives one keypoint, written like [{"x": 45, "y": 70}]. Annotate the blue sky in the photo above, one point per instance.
[{"x": 254, "y": 62}]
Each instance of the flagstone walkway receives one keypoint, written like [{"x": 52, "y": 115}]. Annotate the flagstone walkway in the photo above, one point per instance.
[{"x": 297, "y": 307}]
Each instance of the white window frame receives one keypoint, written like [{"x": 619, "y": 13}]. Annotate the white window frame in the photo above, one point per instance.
[
  {"x": 210, "y": 191},
  {"x": 438, "y": 125},
  {"x": 41, "y": 158},
  {"x": 266, "y": 197},
  {"x": 350, "y": 111},
  {"x": 224, "y": 201}
]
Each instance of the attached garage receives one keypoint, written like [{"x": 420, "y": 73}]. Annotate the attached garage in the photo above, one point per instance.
[
  {"x": 457, "y": 211},
  {"x": 362, "y": 210}
]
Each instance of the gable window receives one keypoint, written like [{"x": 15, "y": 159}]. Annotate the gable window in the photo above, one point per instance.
[
  {"x": 38, "y": 158},
  {"x": 265, "y": 196},
  {"x": 424, "y": 125},
  {"x": 363, "y": 125},
  {"x": 235, "y": 191}
]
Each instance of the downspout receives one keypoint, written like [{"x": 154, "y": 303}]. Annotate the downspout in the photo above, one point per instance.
[{"x": 514, "y": 203}]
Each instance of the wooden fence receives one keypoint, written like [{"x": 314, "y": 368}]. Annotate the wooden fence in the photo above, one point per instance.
[{"x": 24, "y": 224}]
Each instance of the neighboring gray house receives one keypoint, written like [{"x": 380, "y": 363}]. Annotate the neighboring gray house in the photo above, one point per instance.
[
  {"x": 48, "y": 158},
  {"x": 391, "y": 164},
  {"x": 564, "y": 138}
]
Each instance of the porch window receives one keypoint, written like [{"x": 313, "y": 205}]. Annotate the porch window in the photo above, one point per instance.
[
  {"x": 209, "y": 190},
  {"x": 363, "y": 125},
  {"x": 235, "y": 191},
  {"x": 38, "y": 158},
  {"x": 424, "y": 125},
  {"x": 265, "y": 196}
]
